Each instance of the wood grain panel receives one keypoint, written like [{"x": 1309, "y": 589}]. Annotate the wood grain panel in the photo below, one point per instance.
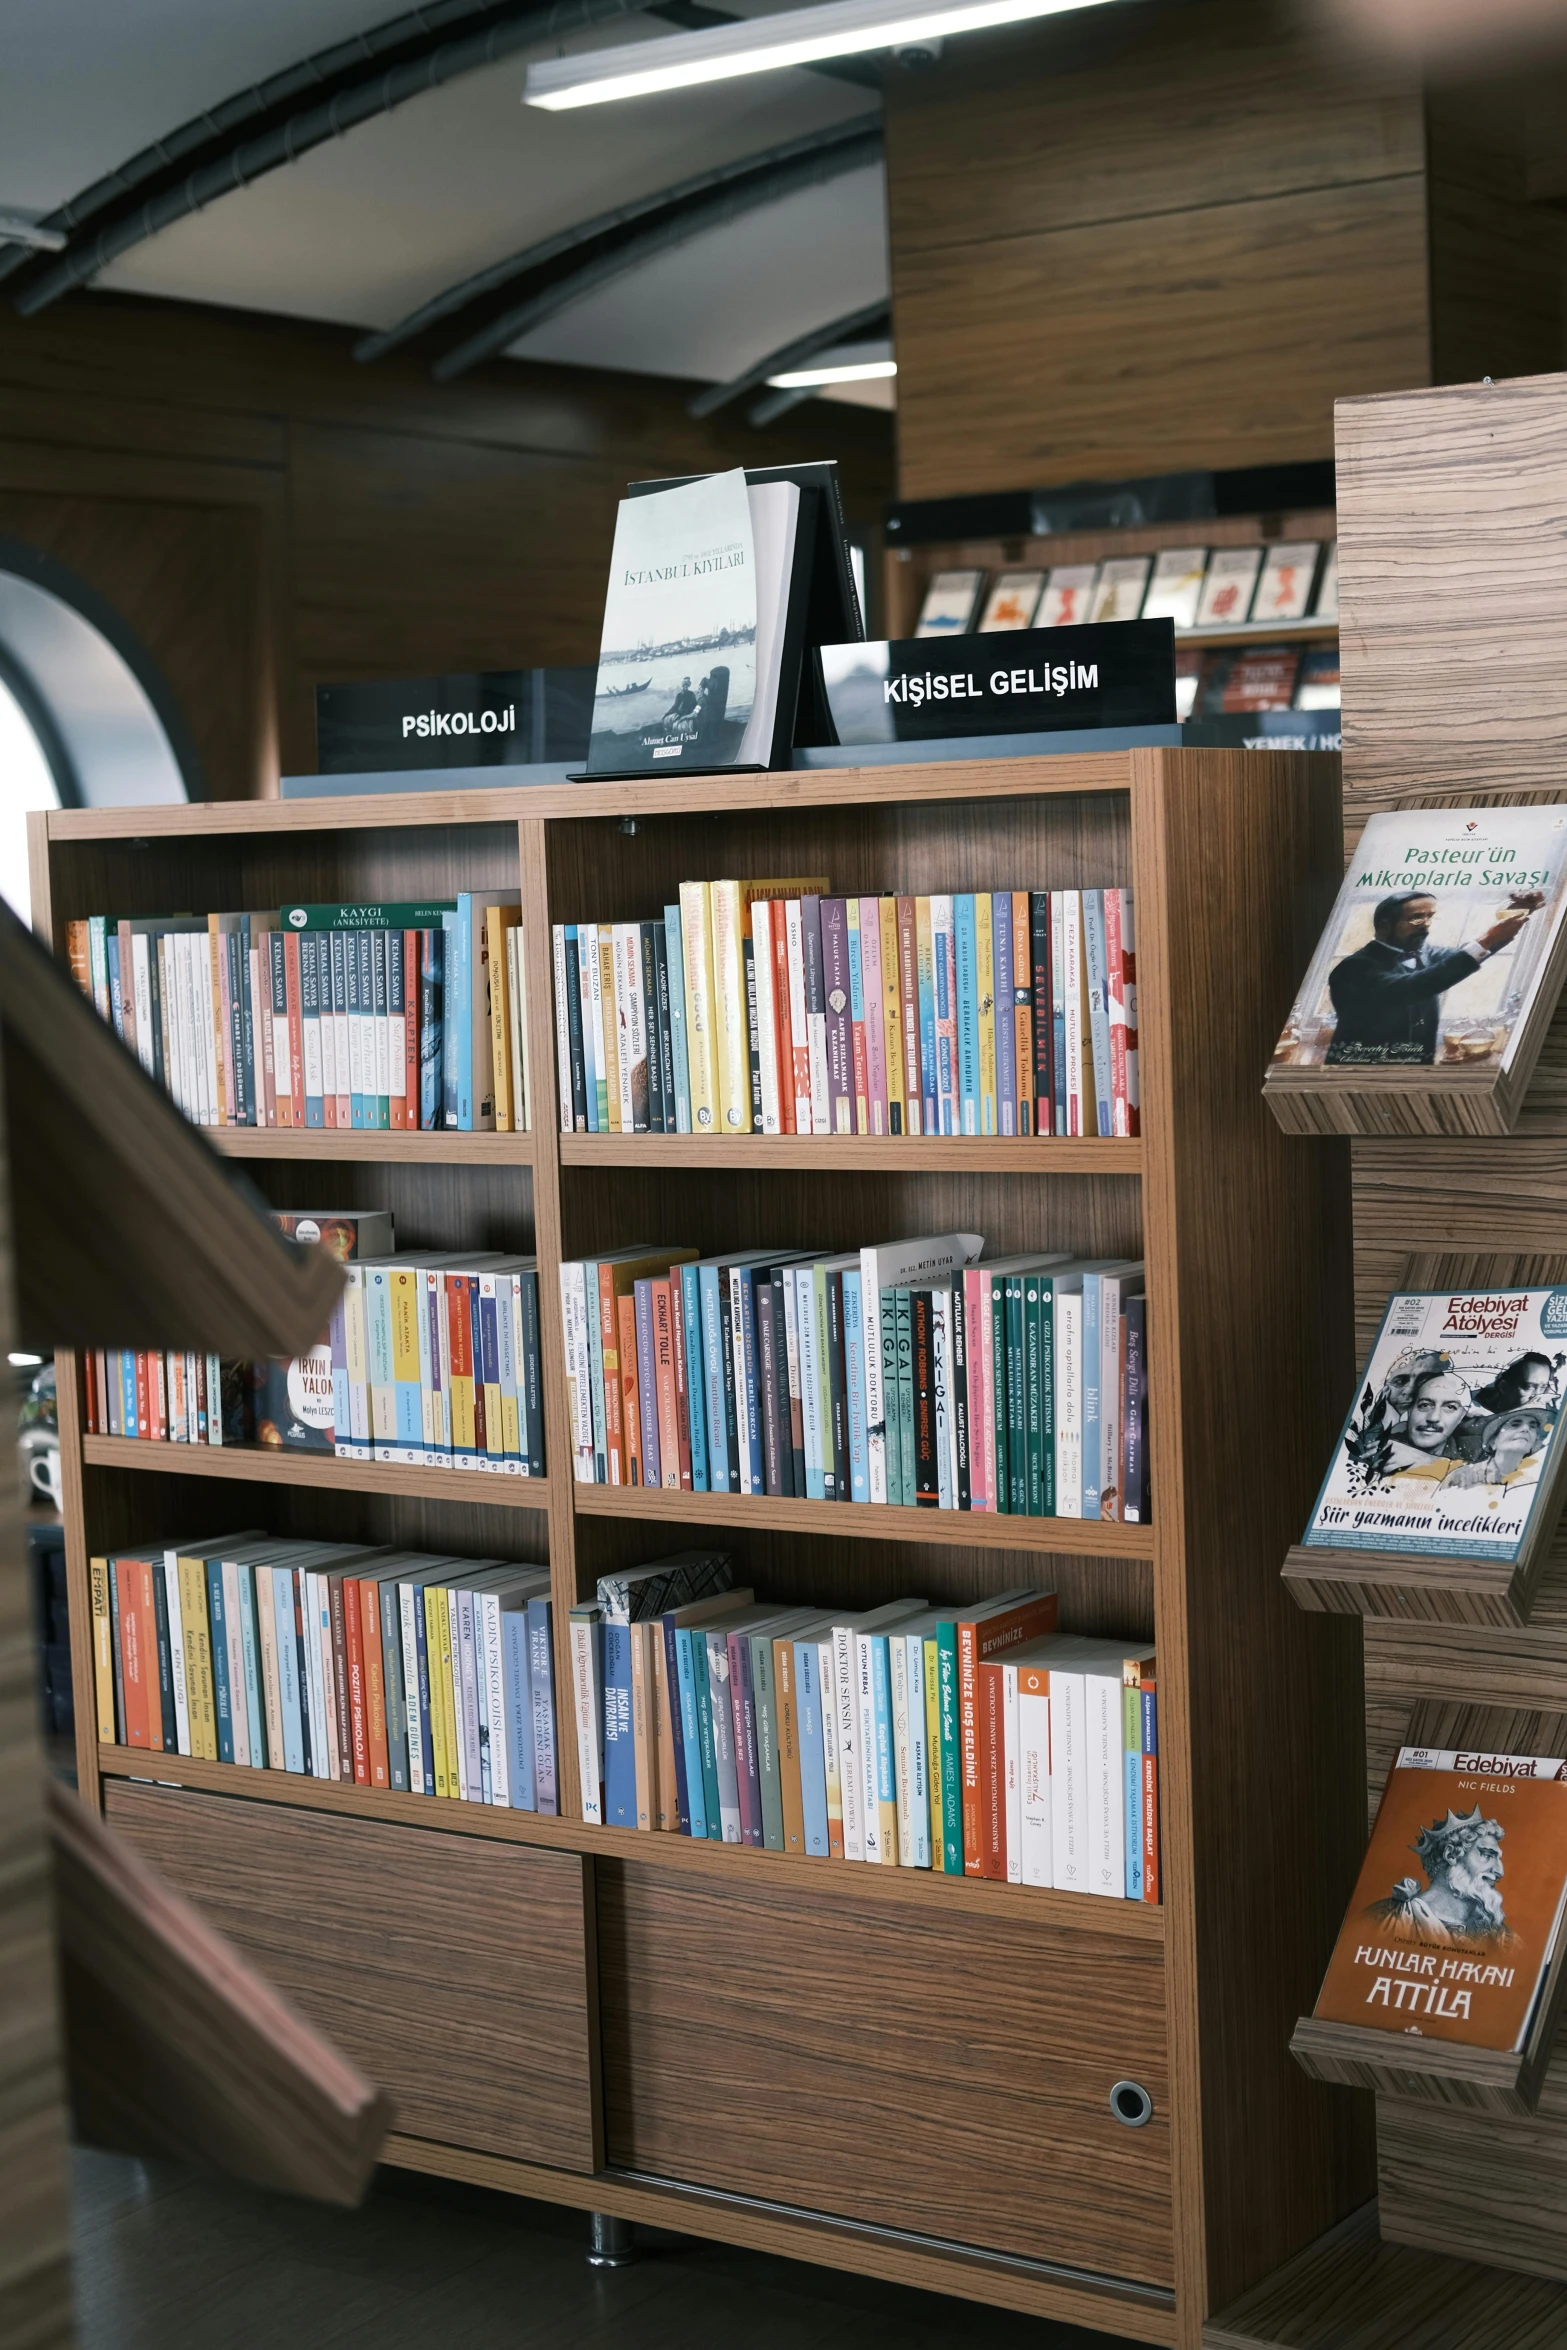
[
  {"x": 1156, "y": 110},
  {"x": 1233, "y": 331},
  {"x": 1493, "y": 2189},
  {"x": 954, "y": 2085},
  {"x": 456, "y": 1972},
  {"x": 1350, "y": 2291},
  {"x": 1450, "y": 687},
  {"x": 1165, "y": 240}
]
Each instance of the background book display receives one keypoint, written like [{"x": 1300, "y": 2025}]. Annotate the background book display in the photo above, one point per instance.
[
  {"x": 413, "y": 1900},
  {"x": 1196, "y": 587}
]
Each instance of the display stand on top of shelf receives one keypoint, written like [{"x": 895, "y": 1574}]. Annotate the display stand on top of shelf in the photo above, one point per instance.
[
  {"x": 566, "y": 2048},
  {"x": 1440, "y": 491}
]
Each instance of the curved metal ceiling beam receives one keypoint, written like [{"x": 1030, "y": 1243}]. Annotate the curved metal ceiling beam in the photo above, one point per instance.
[
  {"x": 850, "y": 152},
  {"x": 204, "y": 159},
  {"x": 470, "y": 290},
  {"x": 856, "y": 326},
  {"x": 776, "y": 404}
]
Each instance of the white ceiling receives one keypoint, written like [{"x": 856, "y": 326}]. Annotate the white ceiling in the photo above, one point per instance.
[{"x": 365, "y": 228}]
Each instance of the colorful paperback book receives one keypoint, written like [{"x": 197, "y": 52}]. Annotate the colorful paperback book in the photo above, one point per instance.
[
  {"x": 1449, "y": 1448},
  {"x": 1437, "y": 944},
  {"x": 1457, "y": 1912}
]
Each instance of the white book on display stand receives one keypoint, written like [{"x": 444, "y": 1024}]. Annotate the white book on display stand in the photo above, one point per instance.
[
  {"x": 948, "y": 609},
  {"x": 1284, "y": 590},
  {"x": 1326, "y": 605},
  {"x": 1227, "y": 590},
  {"x": 1013, "y": 600},
  {"x": 1122, "y": 582},
  {"x": 1176, "y": 585},
  {"x": 1068, "y": 596}
]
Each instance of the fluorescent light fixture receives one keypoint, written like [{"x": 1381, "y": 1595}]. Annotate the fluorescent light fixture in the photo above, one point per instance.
[
  {"x": 795, "y": 36},
  {"x": 859, "y": 371},
  {"x": 22, "y": 228},
  {"x": 24, "y": 1362}
]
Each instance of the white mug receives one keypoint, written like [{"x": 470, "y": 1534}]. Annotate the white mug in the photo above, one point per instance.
[{"x": 43, "y": 1471}]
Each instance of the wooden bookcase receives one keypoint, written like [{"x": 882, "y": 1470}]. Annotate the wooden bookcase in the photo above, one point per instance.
[{"x": 879, "y": 2069}]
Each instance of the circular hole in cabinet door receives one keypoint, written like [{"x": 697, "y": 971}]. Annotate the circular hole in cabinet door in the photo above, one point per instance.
[{"x": 1131, "y": 2104}]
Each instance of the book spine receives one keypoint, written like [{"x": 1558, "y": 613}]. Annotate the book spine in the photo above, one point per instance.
[
  {"x": 674, "y": 954},
  {"x": 647, "y": 1387},
  {"x": 587, "y": 1681},
  {"x": 693, "y": 1374},
  {"x": 925, "y": 976},
  {"x": 1115, "y": 1003},
  {"x": 1152, "y": 1885},
  {"x": 837, "y": 1026},
  {"x": 875, "y": 1015},
  {"x": 753, "y": 1034},
  {"x": 765, "y": 981},
  {"x": 909, "y": 1012},
  {"x": 1039, "y": 905},
  {"x": 620, "y": 1780},
  {"x": 731, "y": 1054},
  {"x": 701, "y": 1011},
  {"x": 723, "y": 1728},
  {"x": 1129, "y": 1008},
  {"x": 921, "y": 1357},
  {"x": 1102, "y": 1120},
  {"x": 665, "y": 1387},
  {"x": 647, "y": 934},
  {"x": 799, "y": 1027},
  {"x": 1132, "y": 1785},
  {"x": 782, "y": 1015},
  {"x": 1005, "y": 1020},
  {"x": 815, "y": 1013},
  {"x": 857, "y": 1051},
  {"x": 541, "y": 1689}
]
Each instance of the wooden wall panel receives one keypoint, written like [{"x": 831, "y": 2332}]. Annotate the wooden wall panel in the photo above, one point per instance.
[
  {"x": 1453, "y": 589},
  {"x": 948, "y": 2077},
  {"x": 456, "y": 1972},
  {"x": 1149, "y": 239},
  {"x": 243, "y": 493}
]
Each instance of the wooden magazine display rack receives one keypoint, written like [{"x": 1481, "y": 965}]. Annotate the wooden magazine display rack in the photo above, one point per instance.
[{"x": 876, "y": 2068}]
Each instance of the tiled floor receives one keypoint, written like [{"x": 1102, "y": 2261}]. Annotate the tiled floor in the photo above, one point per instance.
[{"x": 166, "y": 2260}]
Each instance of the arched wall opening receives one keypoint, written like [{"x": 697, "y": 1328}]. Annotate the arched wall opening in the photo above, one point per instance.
[{"x": 85, "y": 721}]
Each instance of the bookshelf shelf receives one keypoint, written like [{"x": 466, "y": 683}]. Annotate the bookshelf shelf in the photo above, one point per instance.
[
  {"x": 831, "y": 1154},
  {"x": 255, "y": 1465},
  {"x": 1131, "y": 1921},
  {"x": 998, "y": 2017},
  {"x": 340, "y": 1143},
  {"x": 971, "y": 1529},
  {"x": 1262, "y": 632}
]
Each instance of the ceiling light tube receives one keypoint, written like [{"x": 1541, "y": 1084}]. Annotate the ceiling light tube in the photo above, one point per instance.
[
  {"x": 798, "y": 36},
  {"x": 859, "y": 371}
]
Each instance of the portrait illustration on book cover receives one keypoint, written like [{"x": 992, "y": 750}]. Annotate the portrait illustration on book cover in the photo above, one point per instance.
[
  {"x": 1459, "y": 1947},
  {"x": 1461, "y": 1900},
  {"x": 1437, "y": 943},
  {"x": 1450, "y": 1434}
]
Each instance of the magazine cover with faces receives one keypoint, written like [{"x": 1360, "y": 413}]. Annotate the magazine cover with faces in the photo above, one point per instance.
[{"x": 1452, "y": 1435}]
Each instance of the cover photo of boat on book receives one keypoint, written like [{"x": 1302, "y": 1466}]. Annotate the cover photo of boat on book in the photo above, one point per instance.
[
  {"x": 1436, "y": 944},
  {"x": 1452, "y": 1438},
  {"x": 677, "y": 661},
  {"x": 1458, "y": 1906}
]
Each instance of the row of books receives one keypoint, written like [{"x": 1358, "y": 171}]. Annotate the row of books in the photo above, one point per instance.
[
  {"x": 362, "y": 1016},
  {"x": 970, "y": 1740},
  {"x": 771, "y": 1007},
  {"x": 1262, "y": 677},
  {"x": 382, "y": 1668},
  {"x": 908, "y": 1374},
  {"x": 1193, "y": 586},
  {"x": 431, "y": 1361}
]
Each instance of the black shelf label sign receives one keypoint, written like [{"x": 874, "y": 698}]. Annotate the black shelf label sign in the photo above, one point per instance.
[{"x": 1016, "y": 681}]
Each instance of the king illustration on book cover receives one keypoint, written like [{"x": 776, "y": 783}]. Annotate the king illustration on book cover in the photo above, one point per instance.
[{"x": 1456, "y": 1914}]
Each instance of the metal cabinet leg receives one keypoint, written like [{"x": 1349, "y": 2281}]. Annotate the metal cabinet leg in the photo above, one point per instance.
[{"x": 609, "y": 2243}]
